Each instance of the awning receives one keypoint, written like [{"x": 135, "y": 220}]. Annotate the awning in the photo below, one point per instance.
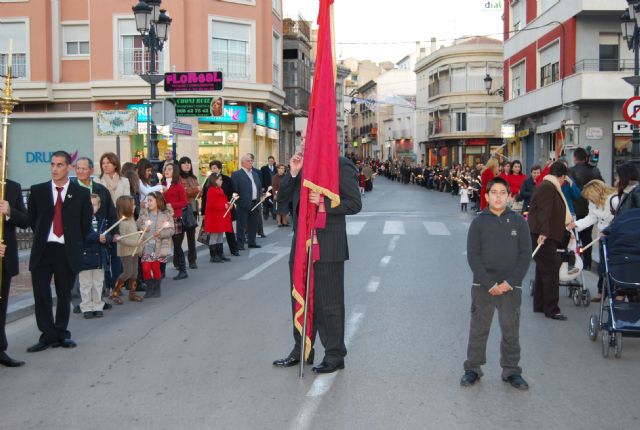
[
  {"x": 546, "y": 128},
  {"x": 477, "y": 142}
]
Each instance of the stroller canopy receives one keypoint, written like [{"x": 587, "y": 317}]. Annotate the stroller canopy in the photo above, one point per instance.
[{"x": 623, "y": 240}]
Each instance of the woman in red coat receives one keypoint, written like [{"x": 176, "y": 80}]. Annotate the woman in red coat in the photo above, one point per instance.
[
  {"x": 516, "y": 178},
  {"x": 215, "y": 221},
  {"x": 176, "y": 196},
  {"x": 490, "y": 171}
]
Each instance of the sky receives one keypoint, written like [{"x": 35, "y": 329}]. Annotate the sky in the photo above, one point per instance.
[{"x": 372, "y": 21}]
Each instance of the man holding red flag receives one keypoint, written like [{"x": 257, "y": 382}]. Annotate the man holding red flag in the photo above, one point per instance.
[{"x": 322, "y": 195}]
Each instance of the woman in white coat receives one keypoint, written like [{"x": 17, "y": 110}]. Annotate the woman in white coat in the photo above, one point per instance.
[{"x": 603, "y": 200}]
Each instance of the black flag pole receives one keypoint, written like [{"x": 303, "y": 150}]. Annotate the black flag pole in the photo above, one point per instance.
[{"x": 306, "y": 305}]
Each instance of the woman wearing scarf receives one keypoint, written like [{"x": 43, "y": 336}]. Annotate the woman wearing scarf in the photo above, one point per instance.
[{"x": 549, "y": 220}]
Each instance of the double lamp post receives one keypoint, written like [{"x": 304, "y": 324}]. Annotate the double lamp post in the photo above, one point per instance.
[{"x": 153, "y": 25}]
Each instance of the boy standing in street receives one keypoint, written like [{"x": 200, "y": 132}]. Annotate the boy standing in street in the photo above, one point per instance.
[{"x": 499, "y": 254}]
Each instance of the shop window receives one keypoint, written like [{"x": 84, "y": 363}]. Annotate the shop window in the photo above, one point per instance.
[{"x": 218, "y": 142}]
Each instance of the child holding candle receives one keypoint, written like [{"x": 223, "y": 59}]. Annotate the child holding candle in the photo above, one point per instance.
[
  {"x": 126, "y": 244},
  {"x": 156, "y": 219},
  {"x": 215, "y": 221},
  {"x": 94, "y": 256}
]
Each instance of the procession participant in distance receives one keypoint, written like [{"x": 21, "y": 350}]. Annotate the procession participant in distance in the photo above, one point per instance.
[
  {"x": 583, "y": 173},
  {"x": 499, "y": 254},
  {"x": 549, "y": 218},
  {"x": 190, "y": 183},
  {"x": 60, "y": 214},
  {"x": 528, "y": 187},
  {"x": 491, "y": 169},
  {"x": 267, "y": 172},
  {"x": 176, "y": 197},
  {"x": 246, "y": 183},
  {"x": 227, "y": 186},
  {"x": 15, "y": 215},
  {"x": 329, "y": 270}
]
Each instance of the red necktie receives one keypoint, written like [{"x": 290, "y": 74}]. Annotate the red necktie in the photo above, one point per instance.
[{"x": 58, "y": 229}]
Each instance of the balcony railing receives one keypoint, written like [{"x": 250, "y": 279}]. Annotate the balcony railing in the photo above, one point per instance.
[
  {"x": 296, "y": 28},
  {"x": 235, "y": 67},
  {"x": 604, "y": 65},
  {"x": 473, "y": 125},
  {"x": 135, "y": 61}
]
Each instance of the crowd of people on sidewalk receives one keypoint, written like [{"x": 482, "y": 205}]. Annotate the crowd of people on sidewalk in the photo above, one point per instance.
[{"x": 117, "y": 226}]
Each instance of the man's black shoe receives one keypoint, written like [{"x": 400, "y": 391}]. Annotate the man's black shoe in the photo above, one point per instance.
[
  {"x": 40, "y": 346},
  {"x": 181, "y": 275},
  {"x": 108, "y": 306},
  {"x": 264, "y": 236},
  {"x": 240, "y": 247},
  {"x": 235, "y": 253},
  {"x": 98, "y": 314},
  {"x": 292, "y": 360},
  {"x": 558, "y": 317},
  {"x": 517, "y": 381},
  {"x": 325, "y": 367},
  {"x": 65, "y": 343},
  {"x": 76, "y": 309},
  {"x": 88, "y": 315},
  {"x": 469, "y": 378},
  {"x": 7, "y": 361},
  {"x": 255, "y": 246}
]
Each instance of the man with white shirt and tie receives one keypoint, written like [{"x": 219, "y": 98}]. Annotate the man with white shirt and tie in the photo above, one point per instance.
[
  {"x": 246, "y": 182},
  {"x": 60, "y": 215}
]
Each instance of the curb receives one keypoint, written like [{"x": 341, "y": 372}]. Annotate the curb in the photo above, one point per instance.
[{"x": 23, "y": 305}]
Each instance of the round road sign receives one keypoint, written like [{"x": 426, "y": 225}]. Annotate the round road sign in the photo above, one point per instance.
[{"x": 631, "y": 110}]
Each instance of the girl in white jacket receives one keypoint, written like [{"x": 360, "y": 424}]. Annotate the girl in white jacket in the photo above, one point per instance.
[{"x": 603, "y": 200}]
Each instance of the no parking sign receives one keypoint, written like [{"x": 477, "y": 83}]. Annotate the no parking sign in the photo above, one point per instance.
[{"x": 631, "y": 110}]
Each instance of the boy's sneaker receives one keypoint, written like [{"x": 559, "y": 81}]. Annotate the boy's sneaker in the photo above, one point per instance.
[
  {"x": 88, "y": 315},
  {"x": 98, "y": 314},
  {"x": 107, "y": 306}
]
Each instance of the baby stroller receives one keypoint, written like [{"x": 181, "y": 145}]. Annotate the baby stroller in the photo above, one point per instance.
[
  {"x": 572, "y": 279},
  {"x": 620, "y": 306}
]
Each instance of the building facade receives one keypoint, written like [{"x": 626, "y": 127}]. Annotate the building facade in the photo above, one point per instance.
[
  {"x": 563, "y": 79},
  {"x": 75, "y": 58},
  {"x": 457, "y": 121}
]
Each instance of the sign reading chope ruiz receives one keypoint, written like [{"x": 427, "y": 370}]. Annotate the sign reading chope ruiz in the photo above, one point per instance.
[
  {"x": 193, "y": 81},
  {"x": 193, "y": 106}
]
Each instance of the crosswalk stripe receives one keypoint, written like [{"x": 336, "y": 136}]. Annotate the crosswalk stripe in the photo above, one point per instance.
[
  {"x": 393, "y": 227},
  {"x": 355, "y": 227},
  {"x": 435, "y": 228}
]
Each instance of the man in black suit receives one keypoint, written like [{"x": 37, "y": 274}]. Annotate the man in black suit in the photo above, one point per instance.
[
  {"x": 60, "y": 214},
  {"x": 14, "y": 215},
  {"x": 227, "y": 187},
  {"x": 267, "y": 172},
  {"x": 329, "y": 313},
  {"x": 246, "y": 182}
]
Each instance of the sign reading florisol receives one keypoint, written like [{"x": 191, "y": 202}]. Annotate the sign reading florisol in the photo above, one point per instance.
[
  {"x": 193, "y": 81},
  {"x": 230, "y": 114},
  {"x": 260, "y": 117}
]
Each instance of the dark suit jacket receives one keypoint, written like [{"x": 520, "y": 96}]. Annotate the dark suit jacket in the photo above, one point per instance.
[
  {"x": 242, "y": 186},
  {"x": 18, "y": 218},
  {"x": 583, "y": 173},
  {"x": 77, "y": 213},
  {"x": 267, "y": 175},
  {"x": 547, "y": 212},
  {"x": 333, "y": 238}
]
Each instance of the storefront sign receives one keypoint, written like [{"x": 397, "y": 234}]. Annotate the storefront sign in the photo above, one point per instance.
[
  {"x": 44, "y": 157},
  {"x": 261, "y": 131},
  {"x": 260, "y": 117},
  {"x": 192, "y": 81},
  {"x": 193, "y": 106},
  {"x": 273, "y": 121},
  {"x": 116, "y": 122},
  {"x": 231, "y": 114},
  {"x": 622, "y": 127},
  {"x": 508, "y": 131},
  {"x": 523, "y": 133},
  {"x": 492, "y": 5},
  {"x": 141, "y": 109},
  {"x": 594, "y": 133},
  {"x": 182, "y": 129},
  {"x": 272, "y": 134}
]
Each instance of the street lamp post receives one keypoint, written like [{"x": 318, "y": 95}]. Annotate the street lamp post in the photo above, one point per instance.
[
  {"x": 488, "y": 83},
  {"x": 153, "y": 25},
  {"x": 631, "y": 34}
]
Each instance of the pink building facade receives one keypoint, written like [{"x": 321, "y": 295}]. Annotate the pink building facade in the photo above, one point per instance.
[{"x": 75, "y": 58}]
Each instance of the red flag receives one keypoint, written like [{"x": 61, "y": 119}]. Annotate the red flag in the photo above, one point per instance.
[{"x": 320, "y": 171}]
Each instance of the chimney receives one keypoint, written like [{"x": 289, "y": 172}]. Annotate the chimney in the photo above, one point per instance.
[{"x": 433, "y": 44}]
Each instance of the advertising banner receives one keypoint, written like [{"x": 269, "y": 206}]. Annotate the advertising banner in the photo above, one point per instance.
[
  {"x": 193, "y": 81},
  {"x": 116, "y": 122}
]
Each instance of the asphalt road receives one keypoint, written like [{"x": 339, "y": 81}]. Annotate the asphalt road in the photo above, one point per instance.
[{"x": 200, "y": 356}]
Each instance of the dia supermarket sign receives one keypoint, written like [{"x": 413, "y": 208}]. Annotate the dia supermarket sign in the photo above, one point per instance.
[{"x": 492, "y": 5}]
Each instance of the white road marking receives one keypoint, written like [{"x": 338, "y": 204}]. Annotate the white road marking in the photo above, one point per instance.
[
  {"x": 373, "y": 284},
  {"x": 393, "y": 227},
  {"x": 355, "y": 227},
  {"x": 392, "y": 243},
  {"x": 323, "y": 383},
  {"x": 269, "y": 229},
  {"x": 261, "y": 267},
  {"x": 436, "y": 228},
  {"x": 384, "y": 261}
]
